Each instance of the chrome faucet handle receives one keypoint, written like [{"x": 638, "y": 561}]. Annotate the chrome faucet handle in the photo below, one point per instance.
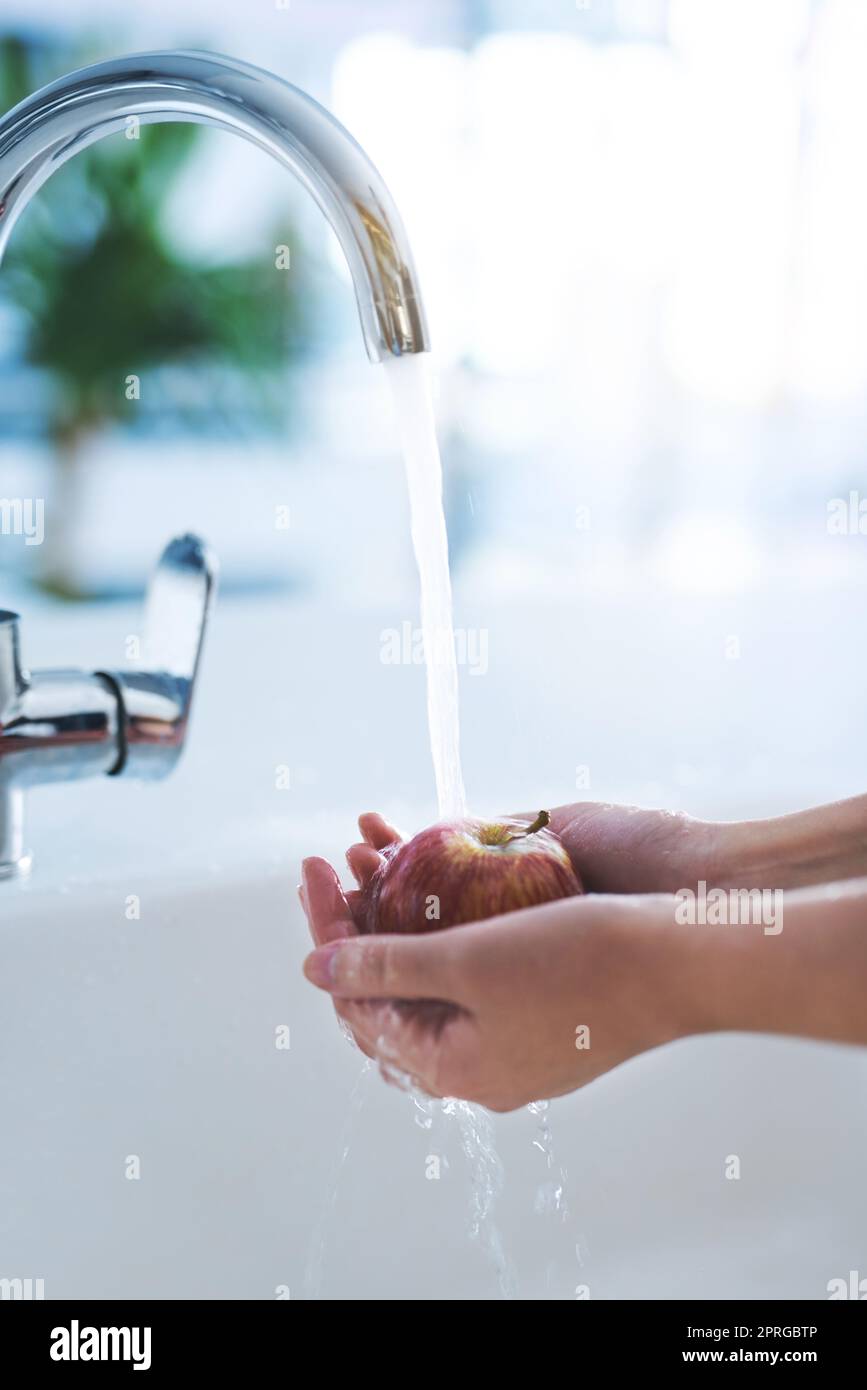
[
  {"x": 155, "y": 697},
  {"x": 11, "y": 672},
  {"x": 63, "y": 726}
]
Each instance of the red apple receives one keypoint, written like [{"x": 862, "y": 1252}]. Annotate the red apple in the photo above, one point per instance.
[{"x": 464, "y": 871}]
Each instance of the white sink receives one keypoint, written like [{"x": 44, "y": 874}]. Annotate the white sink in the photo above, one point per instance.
[{"x": 155, "y": 1037}]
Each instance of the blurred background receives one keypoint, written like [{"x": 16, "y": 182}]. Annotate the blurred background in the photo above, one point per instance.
[
  {"x": 640, "y": 229},
  {"x": 639, "y": 225}
]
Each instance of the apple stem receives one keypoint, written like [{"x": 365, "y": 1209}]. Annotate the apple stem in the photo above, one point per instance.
[{"x": 539, "y": 823}]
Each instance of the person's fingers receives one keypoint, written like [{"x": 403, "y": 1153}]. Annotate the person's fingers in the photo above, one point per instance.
[
  {"x": 390, "y": 967},
  {"x": 326, "y": 906},
  {"x": 401, "y": 1082},
  {"x": 349, "y": 1032},
  {"x": 624, "y": 849},
  {"x": 627, "y": 849},
  {"x": 564, "y": 818},
  {"x": 355, "y": 901},
  {"x": 376, "y": 831},
  {"x": 437, "y": 1060},
  {"x": 364, "y": 861},
  {"x": 404, "y": 1052}
]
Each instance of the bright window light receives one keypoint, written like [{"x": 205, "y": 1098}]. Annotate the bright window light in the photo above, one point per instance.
[{"x": 707, "y": 554}]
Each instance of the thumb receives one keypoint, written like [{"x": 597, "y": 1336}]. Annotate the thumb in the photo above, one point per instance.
[{"x": 388, "y": 967}]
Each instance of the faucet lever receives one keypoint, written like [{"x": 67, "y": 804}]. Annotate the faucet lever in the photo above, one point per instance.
[
  {"x": 64, "y": 726},
  {"x": 155, "y": 697}
]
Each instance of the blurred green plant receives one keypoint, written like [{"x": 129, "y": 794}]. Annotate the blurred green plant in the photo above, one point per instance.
[{"x": 103, "y": 293}]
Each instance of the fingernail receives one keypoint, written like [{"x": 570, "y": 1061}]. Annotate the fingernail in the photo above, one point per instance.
[{"x": 320, "y": 965}]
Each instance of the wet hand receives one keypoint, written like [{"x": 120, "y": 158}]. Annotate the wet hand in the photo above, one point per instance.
[{"x": 517, "y": 1008}]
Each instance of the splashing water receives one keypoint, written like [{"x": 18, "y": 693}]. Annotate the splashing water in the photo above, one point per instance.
[
  {"x": 550, "y": 1200},
  {"x": 550, "y": 1194},
  {"x": 476, "y": 1138},
  {"x": 487, "y": 1178},
  {"x": 318, "y": 1241},
  {"x": 409, "y": 382}
]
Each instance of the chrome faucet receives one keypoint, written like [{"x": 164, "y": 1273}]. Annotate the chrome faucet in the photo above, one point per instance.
[
  {"x": 60, "y": 725},
  {"x": 48, "y": 128}
]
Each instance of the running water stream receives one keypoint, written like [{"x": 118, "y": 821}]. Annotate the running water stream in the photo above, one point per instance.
[{"x": 409, "y": 380}]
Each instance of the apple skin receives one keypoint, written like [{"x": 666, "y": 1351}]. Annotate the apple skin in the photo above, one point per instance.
[{"x": 465, "y": 871}]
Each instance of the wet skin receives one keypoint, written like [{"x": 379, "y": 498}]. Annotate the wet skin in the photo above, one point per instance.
[{"x": 520, "y": 996}]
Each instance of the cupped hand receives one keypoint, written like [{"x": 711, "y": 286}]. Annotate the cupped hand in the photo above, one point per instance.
[
  {"x": 524, "y": 1006},
  {"x": 529, "y": 1005},
  {"x": 628, "y": 849}
]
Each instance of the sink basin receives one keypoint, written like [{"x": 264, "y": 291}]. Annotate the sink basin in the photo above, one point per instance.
[{"x": 162, "y": 1141}]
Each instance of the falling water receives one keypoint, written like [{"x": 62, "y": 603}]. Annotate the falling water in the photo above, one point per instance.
[
  {"x": 550, "y": 1201},
  {"x": 550, "y": 1194},
  {"x": 409, "y": 381},
  {"x": 316, "y": 1254},
  {"x": 475, "y": 1133},
  {"x": 486, "y": 1179}
]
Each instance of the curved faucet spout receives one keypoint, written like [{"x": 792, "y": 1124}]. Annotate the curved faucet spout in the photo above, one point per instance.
[{"x": 41, "y": 133}]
